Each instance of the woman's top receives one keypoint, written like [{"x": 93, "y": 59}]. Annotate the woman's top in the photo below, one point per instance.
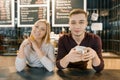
[{"x": 33, "y": 60}]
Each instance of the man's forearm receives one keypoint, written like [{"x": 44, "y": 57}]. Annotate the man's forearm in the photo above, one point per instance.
[
  {"x": 96, "y": 61},
  {"x": 64, "y": 62}
]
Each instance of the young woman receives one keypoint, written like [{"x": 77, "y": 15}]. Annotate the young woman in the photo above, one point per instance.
[{"x": 36, "y": 50}]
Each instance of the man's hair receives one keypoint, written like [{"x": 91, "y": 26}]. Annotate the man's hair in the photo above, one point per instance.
[{"x": 77, "y": 11}]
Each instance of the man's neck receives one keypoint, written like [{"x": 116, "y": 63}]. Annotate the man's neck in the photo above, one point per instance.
[{"x": 78, "y": 38}]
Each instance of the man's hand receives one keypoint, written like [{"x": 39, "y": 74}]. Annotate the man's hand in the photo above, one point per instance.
[
  {"x": 74, "y": 56},
  {"x": 89, "y": 54}
]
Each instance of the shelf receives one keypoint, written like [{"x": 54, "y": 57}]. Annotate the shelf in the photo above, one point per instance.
[{"x": 9, "y": 54}]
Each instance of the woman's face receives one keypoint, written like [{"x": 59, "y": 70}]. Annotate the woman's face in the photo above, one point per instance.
[
  {"x": 78, "y": 24},
  {"x": 39, "y": 30}
]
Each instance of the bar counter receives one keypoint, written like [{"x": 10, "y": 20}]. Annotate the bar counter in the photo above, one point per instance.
[{"x": 9, "y": 73}]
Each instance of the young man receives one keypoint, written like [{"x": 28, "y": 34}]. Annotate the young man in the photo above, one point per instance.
[{"x": 68, "y": 56}]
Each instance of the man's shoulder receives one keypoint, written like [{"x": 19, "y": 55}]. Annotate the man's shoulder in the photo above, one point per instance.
[
  {"x": 65, "y": 36},
  {"x": 92, "y": 35}
]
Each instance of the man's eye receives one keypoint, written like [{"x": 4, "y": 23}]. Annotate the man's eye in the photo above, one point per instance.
[{"x": 81, "y": 22}]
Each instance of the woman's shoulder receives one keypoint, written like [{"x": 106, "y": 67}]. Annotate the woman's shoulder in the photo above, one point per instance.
[
  {"x": 25, "y": 41},
  {"x": 47, "y": 45}
]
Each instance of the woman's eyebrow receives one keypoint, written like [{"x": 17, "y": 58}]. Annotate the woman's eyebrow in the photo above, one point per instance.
[{"x": 36, "y": 25}]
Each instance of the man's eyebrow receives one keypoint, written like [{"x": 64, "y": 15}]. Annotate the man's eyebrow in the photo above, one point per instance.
[{"x": 81, "y": 20}]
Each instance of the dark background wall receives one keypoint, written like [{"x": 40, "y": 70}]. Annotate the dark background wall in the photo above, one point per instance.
[{"x": 109, "y": 15}]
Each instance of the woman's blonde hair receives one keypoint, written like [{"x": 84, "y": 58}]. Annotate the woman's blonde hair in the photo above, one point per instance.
[{"x": 46, "y": 38}]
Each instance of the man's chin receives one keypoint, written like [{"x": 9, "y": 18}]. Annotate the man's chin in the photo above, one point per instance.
[{"x": 77, "y": 35}]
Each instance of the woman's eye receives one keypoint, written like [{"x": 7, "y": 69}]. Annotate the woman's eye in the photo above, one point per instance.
[
  {"x": 73, "y": 23},
  {"x": 42, "y": 29},
  {"x": 36, "y": 26}
]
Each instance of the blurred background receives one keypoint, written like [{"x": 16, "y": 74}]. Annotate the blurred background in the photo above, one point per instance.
[{"x": 17, "y": 18}]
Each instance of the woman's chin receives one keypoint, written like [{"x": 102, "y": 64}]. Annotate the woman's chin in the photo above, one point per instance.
[{"x": 37, "y": 38}]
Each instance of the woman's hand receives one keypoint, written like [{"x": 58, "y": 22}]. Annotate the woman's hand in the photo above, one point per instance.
[
  {"x": 36, "y": 47},
  {"x": 34, "y": 44},
  {"x": 20, "y": 52}
]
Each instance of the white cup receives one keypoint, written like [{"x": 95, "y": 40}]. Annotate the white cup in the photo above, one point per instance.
[{"x": 80, "y": 49}]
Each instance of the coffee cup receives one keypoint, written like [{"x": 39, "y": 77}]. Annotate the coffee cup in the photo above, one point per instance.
[{"x": 80, "y": 49}]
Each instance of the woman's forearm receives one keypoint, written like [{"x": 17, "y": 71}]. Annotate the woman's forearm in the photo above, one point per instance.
[
  {"x": 48, "y": 64},
  {"x": 20, "y": 64}
]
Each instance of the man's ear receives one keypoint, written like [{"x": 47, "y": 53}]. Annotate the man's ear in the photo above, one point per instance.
[
  {"x": 69, "y": 29},
  {"x": 69, "y": 22},
  {"x": 87, "y": 23}
]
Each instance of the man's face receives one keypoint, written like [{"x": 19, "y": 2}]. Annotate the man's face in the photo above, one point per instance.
[{"x": 78, "y": 24}]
